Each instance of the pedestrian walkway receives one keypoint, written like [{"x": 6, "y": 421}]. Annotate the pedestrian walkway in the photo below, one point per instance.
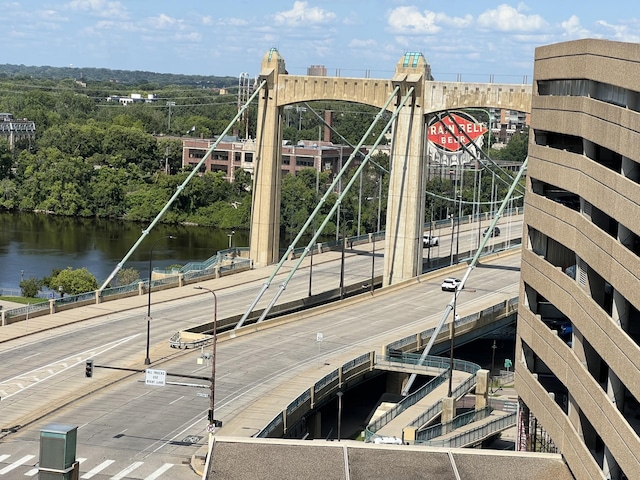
[{"x": 395, "y": 427}]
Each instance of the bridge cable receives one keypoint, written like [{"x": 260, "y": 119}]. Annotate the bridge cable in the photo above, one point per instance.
[
  {"x": 344, "y": 140},
  {"x": 466, "y": 149},
  {"x": 471, "y": 266},
  {"x": 356, "y": 174},
  {"x": 316, "y": 211},
  {"x": 180, "y": 188}
]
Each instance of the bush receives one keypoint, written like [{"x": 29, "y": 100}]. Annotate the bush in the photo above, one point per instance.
[{"x": 30, "y": 287}]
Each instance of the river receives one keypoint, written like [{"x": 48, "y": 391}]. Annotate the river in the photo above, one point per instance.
[{"x": 31, "y": 245}]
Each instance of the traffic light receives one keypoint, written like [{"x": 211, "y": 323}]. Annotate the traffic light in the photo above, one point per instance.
[{"x": 88, "y": 369}]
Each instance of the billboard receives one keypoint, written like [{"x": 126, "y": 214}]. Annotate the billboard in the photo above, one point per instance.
[{"x": 448, "y": 136}]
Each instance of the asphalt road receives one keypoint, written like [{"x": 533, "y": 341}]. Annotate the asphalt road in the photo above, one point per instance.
[{"x": 134, "y": 431}]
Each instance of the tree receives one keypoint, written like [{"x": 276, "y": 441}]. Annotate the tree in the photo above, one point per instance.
[
  {"x": 6, "y": 160},
  {"x": 74, "y": 281},
  {"x": 127, "y": 276},
  {"x": 30, "y": 287}
]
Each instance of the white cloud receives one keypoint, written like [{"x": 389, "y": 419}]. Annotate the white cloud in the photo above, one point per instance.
[
  {"x": 573, "y": 29},
  {"x": 408, "y": 19},
  {"x": 301, "y": 14},
  {"x": 357, "y": 43},
  {"x": 100, "y": 8},
  {"x": 505, "y": 18},
  {"x": 621, "y": 33}
]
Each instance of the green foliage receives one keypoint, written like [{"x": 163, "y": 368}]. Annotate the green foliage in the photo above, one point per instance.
[
  {"x": 73, "y": 281},
  {"x": 127, "y": 276},
  {"x": 30, "y": 287}
]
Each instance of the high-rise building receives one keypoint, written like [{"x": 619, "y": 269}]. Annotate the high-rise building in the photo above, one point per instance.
[{"x": 578, "y": 335}]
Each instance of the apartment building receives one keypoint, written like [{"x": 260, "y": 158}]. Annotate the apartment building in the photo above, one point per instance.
[
  {"x": 233, "y": 153},
  {"x": 578, "y": 334}
]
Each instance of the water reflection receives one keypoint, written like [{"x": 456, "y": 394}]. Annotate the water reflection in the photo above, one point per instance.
[{"x": 31, "y": 245}]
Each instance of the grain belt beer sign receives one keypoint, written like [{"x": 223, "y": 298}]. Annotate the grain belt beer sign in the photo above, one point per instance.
[{"x": 449, "y": 133}]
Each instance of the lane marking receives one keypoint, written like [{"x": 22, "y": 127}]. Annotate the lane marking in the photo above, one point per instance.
[
  {"x": 16, "y": 464},
  {"x": 159, "y": 472},
  {"x": 127, "y": 471},
  {"x": 94, "y": 471}
]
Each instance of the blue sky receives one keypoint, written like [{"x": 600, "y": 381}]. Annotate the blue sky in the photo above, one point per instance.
[{"x": 467, "y": 39}]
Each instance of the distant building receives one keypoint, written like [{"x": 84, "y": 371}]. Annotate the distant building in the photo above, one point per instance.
[
  {"x": 506, "y": 123},
  {"x": 317, "y": 71},
  {"x": 233, "y": 153},
  {"x": 13, "y": 130}
]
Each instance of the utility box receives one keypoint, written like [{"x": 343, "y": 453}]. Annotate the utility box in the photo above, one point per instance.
[{"x": 58, "y": 452}]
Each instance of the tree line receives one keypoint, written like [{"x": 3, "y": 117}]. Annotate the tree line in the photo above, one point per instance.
[{"x": 95, "y": 158}]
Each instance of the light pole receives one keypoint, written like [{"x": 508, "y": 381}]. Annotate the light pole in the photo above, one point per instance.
[
  {"x": 339, "y": 395},
  {"x": 452, "y": 333},
  {"x": 230, "y": 235},
  {"x": 493, "y": 362},
  {"x": 147, "y": 360},
  {"x": 344, "y": 241},
  {"x": 210, "y": 416},
  {"x": 458, "y": 229}
]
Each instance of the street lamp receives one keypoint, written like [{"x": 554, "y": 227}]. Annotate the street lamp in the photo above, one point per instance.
[
  {"x": 458, "y": 229},
  {"x": 230, "y": 235},
  {"x": 344, "y": 241},
  {"x": 339, "y": 395},
  {"x": 147, "y": 360},
  {"x": 452, "y": 333},
  {"x": 212, "y": 422}
]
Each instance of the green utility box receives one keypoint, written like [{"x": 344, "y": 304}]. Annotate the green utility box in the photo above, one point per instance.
[{"x": 58, "y": 452}]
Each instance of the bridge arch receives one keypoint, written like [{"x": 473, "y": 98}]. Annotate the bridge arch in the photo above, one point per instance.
[{"x": 405, "y": 204}]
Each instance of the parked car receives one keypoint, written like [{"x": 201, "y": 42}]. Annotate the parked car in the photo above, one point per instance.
[
  {"x": 429, "y": 241},
  {"x": 494, "y": 233},
  {"x": 450, "y": 284}
]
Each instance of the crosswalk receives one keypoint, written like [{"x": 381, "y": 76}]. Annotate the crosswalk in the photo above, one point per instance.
[{"x": 22, "y": 467}]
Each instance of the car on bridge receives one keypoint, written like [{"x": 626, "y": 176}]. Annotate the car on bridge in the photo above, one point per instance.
[
  {"x": 493, "y": 233},
  {"x": 429, "y": 241},
  {"x": 450, "y": 284}
]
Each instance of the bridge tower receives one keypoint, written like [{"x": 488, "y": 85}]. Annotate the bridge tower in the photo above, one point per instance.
[
  {"x": 265, "y": 211},
  {"x": 405, "y": 206}
]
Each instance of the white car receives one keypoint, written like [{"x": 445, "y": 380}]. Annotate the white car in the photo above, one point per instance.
[
  {"x": 450, "y": 284},
  {"x": 429, "y": 241}
]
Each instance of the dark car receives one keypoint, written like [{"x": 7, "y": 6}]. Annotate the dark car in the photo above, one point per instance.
[{"x": 494, "y": 233}]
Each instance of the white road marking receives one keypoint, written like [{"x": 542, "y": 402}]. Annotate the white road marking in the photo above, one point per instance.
[
  {"x": 55, "y": 368},
  {"x": 16, "y": 464},
  {"x": 127, "y": 471},
  {"x": 159, "y": 472},
  {"x": 94, "y": 471}
]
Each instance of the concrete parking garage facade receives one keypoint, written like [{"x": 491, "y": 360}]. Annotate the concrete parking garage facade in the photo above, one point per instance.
[{"x": 578, "y": 336}]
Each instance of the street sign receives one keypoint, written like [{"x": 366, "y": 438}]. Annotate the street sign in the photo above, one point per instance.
[
  {"x": 205, "y": 395},
  {"x": 319, "y": 337},
  {"x": 155, "y": 377}
]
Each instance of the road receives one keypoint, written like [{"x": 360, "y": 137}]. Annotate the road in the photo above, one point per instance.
[{"x": 135, "y": 431}]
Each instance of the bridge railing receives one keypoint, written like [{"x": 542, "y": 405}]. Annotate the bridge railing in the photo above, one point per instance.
[
  {"x": 321, "y": 392},
  {"x": 475, "y": 435},
  {"x": 459, "y": 421}
]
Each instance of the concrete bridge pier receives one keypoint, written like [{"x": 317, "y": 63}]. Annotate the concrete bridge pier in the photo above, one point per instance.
[{"x": 405, "y": 204}]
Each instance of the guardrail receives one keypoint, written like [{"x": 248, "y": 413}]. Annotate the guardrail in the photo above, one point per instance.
[
  {"x": 475, "y": 435},
  {"x": 459, "y": 421},
  {"x": 321, "y": 392},
  {"x": 410, "y": 400}
]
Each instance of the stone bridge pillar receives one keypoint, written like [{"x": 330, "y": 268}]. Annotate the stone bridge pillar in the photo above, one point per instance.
[
  {"x": 265, "y": 211},
  {"x": 407, "y": 183}
]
